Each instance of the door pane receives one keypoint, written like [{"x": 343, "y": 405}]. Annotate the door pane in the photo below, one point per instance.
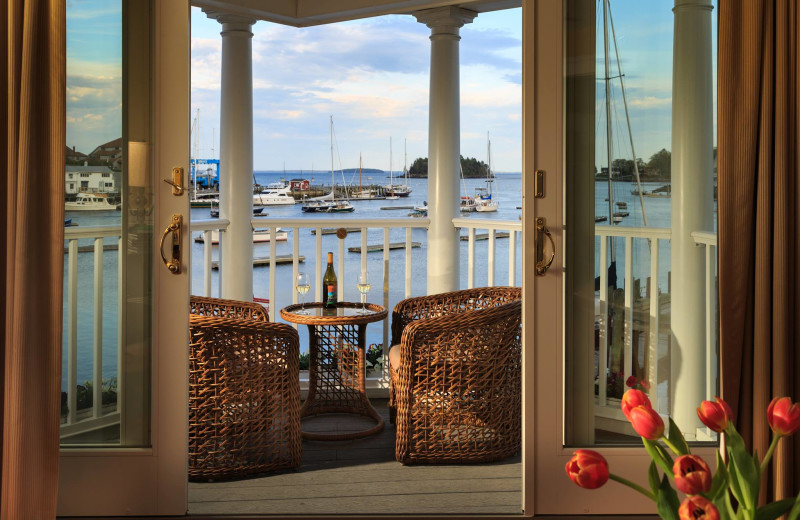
[
  {"x": 640, "y": 234},
  {"x": 107, "y": 262}
]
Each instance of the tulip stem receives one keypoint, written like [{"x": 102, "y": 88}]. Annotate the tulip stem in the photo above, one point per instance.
[
  {"x": 632, "y": 485},
  {"x": 671, "y": 445},
  {"x": 770, "y": 451}
]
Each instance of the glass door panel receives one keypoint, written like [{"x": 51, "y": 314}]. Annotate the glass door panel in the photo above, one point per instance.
[
  {"x": 109, "y": 229},
  {"x": 628, "y": 328}
]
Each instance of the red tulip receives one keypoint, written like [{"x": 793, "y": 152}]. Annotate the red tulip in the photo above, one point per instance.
[
  {"x": 692, "y": 475},
  {"x": 631, "y": 382},
  {"x": 646, "y": 422},
  {"x": 588, "y": 469},
  {"x": 716, "y": 416},
  {"x": 632, "y": 399},
  {"x": 697, "y": 507},
  {"x": 783, "y": 416}
]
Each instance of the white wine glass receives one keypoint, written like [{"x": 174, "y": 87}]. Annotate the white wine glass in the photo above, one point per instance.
[
  {"x": 364, "y": 285},
  {"x": 302, "y": 285}
]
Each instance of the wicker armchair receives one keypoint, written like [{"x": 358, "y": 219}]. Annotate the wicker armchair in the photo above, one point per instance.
[
  {"x": 222, "y": 308},
  {"x": 244, "y": 395},
  {"x": 455, "y": 370}
]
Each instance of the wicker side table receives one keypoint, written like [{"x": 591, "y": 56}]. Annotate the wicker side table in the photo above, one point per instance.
[{"x": 337, "y": 349}]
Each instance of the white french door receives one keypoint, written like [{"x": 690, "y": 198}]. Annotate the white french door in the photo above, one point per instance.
[
  {"x": 603, "y": 311},
  {"x": 134, "y": 462}
]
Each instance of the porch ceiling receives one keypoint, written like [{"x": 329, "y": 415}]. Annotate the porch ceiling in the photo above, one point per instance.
[{"x": 304, "y": 13}]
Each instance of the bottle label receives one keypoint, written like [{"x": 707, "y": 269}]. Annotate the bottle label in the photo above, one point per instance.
[{"x": 331, "y": 296}]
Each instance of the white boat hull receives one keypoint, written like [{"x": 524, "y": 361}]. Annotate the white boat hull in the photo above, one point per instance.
[{"x": 484, "y": 208}]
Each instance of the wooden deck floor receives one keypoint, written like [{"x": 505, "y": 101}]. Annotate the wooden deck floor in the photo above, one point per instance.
[{"x": 362, "y": 477}]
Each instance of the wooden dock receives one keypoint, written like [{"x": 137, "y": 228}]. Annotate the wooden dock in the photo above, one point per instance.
[
  {"x": 485, "y": 236},
  {"x": 264, "y": 260},
  {"x": 362, "y": 477},
  {"x": 379, "y": 247}
]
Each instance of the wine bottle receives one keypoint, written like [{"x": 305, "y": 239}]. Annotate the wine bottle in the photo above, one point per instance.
[{"x": 329, "y": 285}]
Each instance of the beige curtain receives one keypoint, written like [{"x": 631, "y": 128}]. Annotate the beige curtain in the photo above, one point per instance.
[
  {"x": 759, "y": 221},
  {"x": 33, "y": 86}
]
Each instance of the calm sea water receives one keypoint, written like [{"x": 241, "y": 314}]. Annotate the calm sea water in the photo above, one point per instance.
[{"x": 507, "y": 190}]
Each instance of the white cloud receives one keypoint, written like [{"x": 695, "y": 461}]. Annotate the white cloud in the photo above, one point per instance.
[{"x": 651, "y": 101}]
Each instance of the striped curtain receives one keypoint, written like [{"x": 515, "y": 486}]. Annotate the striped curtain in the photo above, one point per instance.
[
  {"x": 32, "y": 83},
  {"x": 759, "y": 221}
]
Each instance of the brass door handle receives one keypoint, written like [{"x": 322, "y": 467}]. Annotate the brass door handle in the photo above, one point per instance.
[
  {"x": 541, "y": 232},
  {"x": 174, "y": 264}
]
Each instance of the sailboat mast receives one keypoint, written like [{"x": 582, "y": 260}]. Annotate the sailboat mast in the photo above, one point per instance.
[
  {"x": 628, "y": 119},
  {"x": 608, "y": 122},
  {"x": 196, "y": 153},
  {"x": 391, "y": 175},
  {"x": 333, "y": 179},
  {"x": 405, "y": 160}
]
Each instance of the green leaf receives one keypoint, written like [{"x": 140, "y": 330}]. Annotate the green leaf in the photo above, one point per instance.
[
  {"x": 723, "y": 504},
  {"x": 657, "y": 455},
  {"x": 733, "y": 479},
  {"x": 667, "y": 501},
  {"x": 774, "y": 510},
  {"x": 652, "y": 475},
  {"x": 794, "y": 514},
  {"x": 748, "y": 474},
  {"x": 676, "y": 438},
  {"x": 720, "y": 480}
]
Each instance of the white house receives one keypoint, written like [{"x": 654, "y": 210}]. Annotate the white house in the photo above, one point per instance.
[{"x": 91, "y": 179}]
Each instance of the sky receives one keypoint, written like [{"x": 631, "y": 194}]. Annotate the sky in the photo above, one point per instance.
[{"x": 372, "y": 76}]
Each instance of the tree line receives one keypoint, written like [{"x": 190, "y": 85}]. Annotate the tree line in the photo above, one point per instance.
[
  {"x": 472, "y": 168},
  {"x": 657, "y": 168}
]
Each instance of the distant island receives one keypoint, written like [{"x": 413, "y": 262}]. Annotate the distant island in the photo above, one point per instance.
[
  {"x": 471, "y": 168},
  {"x": 362, "y": 170}
]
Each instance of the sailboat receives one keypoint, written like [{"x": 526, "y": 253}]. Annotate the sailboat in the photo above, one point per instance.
[
  {"x": 394, "y": 191},
  {"x": 362, "y": 193},
  {"x": 328, "y": 203},
  {"x": 390, "y": 189},
  {"x": 483, "y": 196}
]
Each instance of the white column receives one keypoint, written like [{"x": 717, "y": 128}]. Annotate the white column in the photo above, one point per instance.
[
  {"x": 444, "y": 145},
  {"x": 692, "y": 204},
  {"x": 236, "y": 154}
]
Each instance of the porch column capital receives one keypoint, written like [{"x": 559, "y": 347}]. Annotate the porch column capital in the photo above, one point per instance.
[
  {"x": 231, "y": 21},
  {"x": 445, "y": 20}
]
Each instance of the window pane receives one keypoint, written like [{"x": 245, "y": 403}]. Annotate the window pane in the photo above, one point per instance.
[{"x": 641, "y": 200}]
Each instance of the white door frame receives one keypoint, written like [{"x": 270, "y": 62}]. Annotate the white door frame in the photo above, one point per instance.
[{"x": 150, "y": 481}]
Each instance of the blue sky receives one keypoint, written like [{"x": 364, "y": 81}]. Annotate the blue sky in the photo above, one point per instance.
[{"x": 372, "y": 76}]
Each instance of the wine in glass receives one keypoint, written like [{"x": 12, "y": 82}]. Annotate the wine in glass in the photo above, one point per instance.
[
  {"x": 364, "y": 285},
  {"x": 302, "y": 285}
]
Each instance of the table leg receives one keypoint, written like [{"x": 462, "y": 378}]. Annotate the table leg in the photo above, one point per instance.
[{"x": 337, "y": 378}]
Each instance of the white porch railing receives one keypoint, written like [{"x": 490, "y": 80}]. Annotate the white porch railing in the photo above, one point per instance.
[
  {"x": 75, "y": 421},
  {"x": 607, "y": 407},
  {"x": 98, "y": 417}
]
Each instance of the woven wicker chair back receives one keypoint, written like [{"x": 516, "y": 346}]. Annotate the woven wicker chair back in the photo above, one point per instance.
[
  {"x": 244, "y": 398},
  {"x": 457, "y": 391},
  {"x": 223, "y": 308}
]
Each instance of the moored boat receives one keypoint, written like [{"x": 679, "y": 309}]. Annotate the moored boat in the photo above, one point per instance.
[
  {"x": 274, "y": 197},
  {"x": 92, "y": 202},
  {"x": 259, "y": 235}
]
